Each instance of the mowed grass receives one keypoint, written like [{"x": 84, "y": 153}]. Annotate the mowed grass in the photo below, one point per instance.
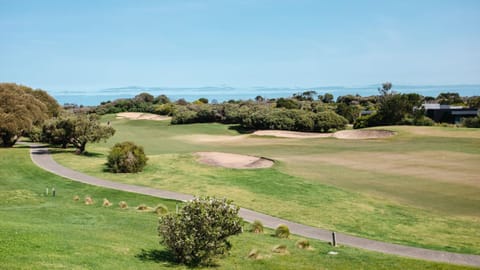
[
  {"x": 45, "y": 232},
  {"x": 378, "y": 189}
]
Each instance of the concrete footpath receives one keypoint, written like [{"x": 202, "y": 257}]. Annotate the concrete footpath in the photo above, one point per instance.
[{"x": 42, "y": 158}]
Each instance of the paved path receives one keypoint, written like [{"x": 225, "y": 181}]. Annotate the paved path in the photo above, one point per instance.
[{"x": 42, "y": 158}]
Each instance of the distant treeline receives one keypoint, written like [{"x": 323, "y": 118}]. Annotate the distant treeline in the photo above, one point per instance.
[{"x": 307, "y": 111}]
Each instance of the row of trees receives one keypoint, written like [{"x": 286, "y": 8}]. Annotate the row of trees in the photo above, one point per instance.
[
  {"x": 302, "y": 112},
  {"x": 28, "y": 112}
]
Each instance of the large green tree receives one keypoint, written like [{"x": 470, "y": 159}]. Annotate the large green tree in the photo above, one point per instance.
[
  {"x": 20, "y": 111},
  {"x": 76, "y": 129},
  {"x": 89, "y": 129}
]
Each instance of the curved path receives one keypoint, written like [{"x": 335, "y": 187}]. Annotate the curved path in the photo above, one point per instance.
[{"x": 42, "y": 158}]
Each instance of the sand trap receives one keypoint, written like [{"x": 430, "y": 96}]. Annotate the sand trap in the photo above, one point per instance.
[
  {"x": 234, "y": 161},
  {"x": 142, "y": 116},
  {"x": 363, "y": 134},
  {"x": 291, "y": 134},
  {"x": 344, "y": 134}
]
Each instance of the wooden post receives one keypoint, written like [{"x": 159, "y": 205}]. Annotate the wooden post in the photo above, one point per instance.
[
  {"x": 46, "y": 191},
  {"x": 334, "y": 239},
  {"x": 53, "y": 192}
]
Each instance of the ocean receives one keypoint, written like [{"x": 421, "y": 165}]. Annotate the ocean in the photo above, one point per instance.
[{"x": 225, "y": 93}]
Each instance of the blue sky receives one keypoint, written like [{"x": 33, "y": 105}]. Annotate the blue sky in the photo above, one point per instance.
[{"x": 77, "y": 45}]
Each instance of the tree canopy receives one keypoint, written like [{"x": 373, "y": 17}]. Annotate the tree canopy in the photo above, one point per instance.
[{"x": 21, "y": 110}]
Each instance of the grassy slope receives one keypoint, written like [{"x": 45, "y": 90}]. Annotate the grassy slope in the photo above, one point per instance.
[
  {"x": 43, "y": 232},
  {"x": 387, "y": 206}
]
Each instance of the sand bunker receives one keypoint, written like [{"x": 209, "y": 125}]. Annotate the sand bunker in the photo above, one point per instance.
[
  {"x": 363, "y": 134},
  {"x": 142, "y": 116},
  {"x": 344, "y": 134},
  {"x": 234, "y": 161},
  {"x": 291, "y": 134}
]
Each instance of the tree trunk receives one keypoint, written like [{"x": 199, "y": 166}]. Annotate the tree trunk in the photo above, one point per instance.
[{"x": 81, "y": 148}]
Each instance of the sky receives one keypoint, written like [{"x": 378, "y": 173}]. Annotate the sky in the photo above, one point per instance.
[{"x": 112, "y": 43}]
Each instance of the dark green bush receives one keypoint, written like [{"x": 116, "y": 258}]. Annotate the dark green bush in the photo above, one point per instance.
[
  {"x": 282, "y": 231},
  {"x": 126, "y": 157},
  {"x": 473, "y": 122},
  {"x": 200, "y": 231}
]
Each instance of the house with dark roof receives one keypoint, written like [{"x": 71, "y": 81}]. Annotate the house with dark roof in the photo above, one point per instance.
[{"x": 448, "y": 113}]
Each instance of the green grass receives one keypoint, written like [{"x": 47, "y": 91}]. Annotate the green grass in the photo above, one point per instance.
[
  {"x": 44, "y": 232},
  {"x": 403, "y": 206}
]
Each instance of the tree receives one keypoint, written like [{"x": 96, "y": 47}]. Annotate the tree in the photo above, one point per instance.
[
  {"x": 59, "y": 131},
  {"x": 161, "y": 99},
  {"x": 200, "y": 231},
  {"x": 126, "y": 157},
  {"x": 144, "y": 97},
  {"x": 20, "y": 111},
  {"x": 327, "y": 98},
  {"x": 88, "y": 129}
]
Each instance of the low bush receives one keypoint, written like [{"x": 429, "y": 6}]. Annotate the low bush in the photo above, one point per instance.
[
  {"x": 123, "y": 205},
  {"x": 473, "y": 122},
  {"x": 126, "y": 157},
  {"x": 282, "y": 231},
  {"x": 88, "y": 200},
  {"x": 106, "y": 203},
  {"x": 256, "y": 227},
  {"x": 200, "y": 231},
  {"x": 161, "y": 209},
  {"x": 281, "y": 249},
  {"x": 142, "y": 207},
  {"x": 303, "y": 244}
]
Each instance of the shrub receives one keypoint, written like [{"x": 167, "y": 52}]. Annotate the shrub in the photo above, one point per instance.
[
  {"x": 254, "y": 254},
  {"x": 161, "y": 209},
  {"x": 126, "y": 157},
  {"x": 199, "y": 232},
  {"x": 142, "y": 207},
  {"x": 473, "y": 122},
  {"x": 282, "y": 249},
  {"x": 88, "y": 200},
  {"x": 106, "y": 203},
  {"x": 328, "y": 120},
  {"x": 123, "y": 205},
  {"x": 256, "y": 227},
  {"x": 303, "y": 244},
  {"x": 282, "y": 231}
]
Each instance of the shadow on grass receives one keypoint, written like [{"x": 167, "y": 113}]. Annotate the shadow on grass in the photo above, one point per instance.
[
  {"x": 166, "y": 257},
  {"x": 157, "y": 256},
  {"x": 241, "y": 129}
]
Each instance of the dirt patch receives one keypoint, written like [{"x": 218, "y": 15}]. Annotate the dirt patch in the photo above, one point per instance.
[
  {"x": 234, "y": 161},
  {"x": 363, "y": 134},
  {"x": 344, "y": 134},
  {"x": 142, "y": 116}
]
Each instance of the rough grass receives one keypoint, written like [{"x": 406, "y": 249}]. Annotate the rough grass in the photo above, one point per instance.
[
  {"x": 311, "y": 185},
  {"x": 44, "y": 232}
]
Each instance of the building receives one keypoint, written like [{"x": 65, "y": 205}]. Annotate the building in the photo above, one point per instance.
[{"x": 447, "y": 113}]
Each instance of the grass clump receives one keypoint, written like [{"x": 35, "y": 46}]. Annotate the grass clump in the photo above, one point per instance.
[
  {"x": 89, "y": 200},
  {"x": 303, "y": 244},
  {"x": 76, "y": 198},
  {"x": 282, "y": 231},
  {"x": 123, "y": 205},
  {"x": 280, "y": 249},
  {"x": 161, "y": 209},
  {"x": 256, "y": 226},
  {"x": 106, "y": 203},
  {"x": 142, "y": 207},
  {"x": 254, "y": 254}
]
